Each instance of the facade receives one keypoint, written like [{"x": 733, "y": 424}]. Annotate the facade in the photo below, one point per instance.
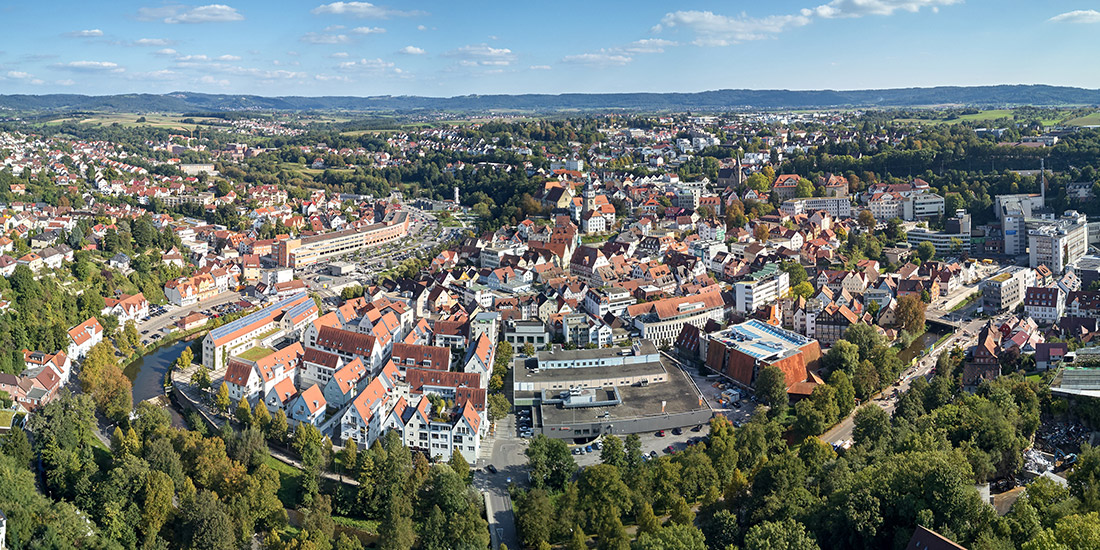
[
  {"x": 531, "y": 331},
  {"x": 83, "y": 337},
  {"x": 1005, "y": 290},
  {"x": 1059, "y": 243},
  {"x": 601, "y": 301},
  {"x": 660, "y": 321},
  {"x": 254, "y": 379},
  {"x": 761, "y": 288},
  {"x": 127, "y": 307},
  {"x": 982, "y": 363},
  {"x": 1045, "y": 304},
  {"x": 837, "y": 207},
  {"x": 317, "y": 248}
]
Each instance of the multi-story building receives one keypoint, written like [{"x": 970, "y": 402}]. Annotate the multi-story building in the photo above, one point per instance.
[
  {"x": 83, "y": 337},
  {"x": 761, "y": 288},
  {"x": 601, "y": 301},
  {"x": 316, "y": 248},
  {"x": 741, "y": 351},
  {"x": 349, "y": 345},
  {"x": 1045, "y": 304},
  {"x": 831, "y": 323},
  {"x": 252, "y": 379},
  {"x": 1059, "y": 243},
  {"x": 256, "y": 328},
  {"x": 531, "y": 331},
  {"x": 190, "y": 290},
  {"x": 1005, "y": 289},
  {"x": 127, "y": 307},
  {"x": 837, "y": 207},
  {"x": 661, "y": 321}
]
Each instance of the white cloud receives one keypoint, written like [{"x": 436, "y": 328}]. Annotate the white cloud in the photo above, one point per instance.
[
  {"x": 539, "y": 67},
  {"x": 91, "y": 66},
  {"x": 368, "y": 30},
  {"x": 214, "y": 81},
  {"x": 1077, "y": 16},
  {"x": 262, "y": 74},
  {"x": 482, "y": 54},
  {"x": 167, "y": 52},
  {"x": 362, "y": 10},
  {"x": 712, "y": 29},
  {"x": 650, "y": 45},
  {"x": 228, "y": 57},
  {"x": 153, "y": 42},
  {"x": 860, "y": 8},
  {"x": 339, "y": 55},
  {"x": 162, "y": 75},
  {"x": 367, "y": 65},
  {"x": 210, "y": 13},
  {"x": 19, "y": 75},
  {"x": 329, "y": 77},
  {"x": 601, "y": 59},
  {"x": 66, "y": 82},
  {"x": 89, "y": 33},
  {"x": 412, "y": 50},
  {"x": 421, "y": 28},
  {"x": 192, "y": 58},
  {"x": 321, "y": 38}
]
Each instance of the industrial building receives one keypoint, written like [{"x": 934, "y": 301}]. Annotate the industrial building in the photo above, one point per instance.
[{"x": 317, "y": 248}]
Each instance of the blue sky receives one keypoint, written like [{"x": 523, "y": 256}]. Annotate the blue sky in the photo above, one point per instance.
[{"x": 533, "y": 46}]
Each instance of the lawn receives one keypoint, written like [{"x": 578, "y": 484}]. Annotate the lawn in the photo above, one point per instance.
[
  {"x": 256, "y": 353},
  {"x": 289, "y": 480},
  {"x": 6, "y": 418}
]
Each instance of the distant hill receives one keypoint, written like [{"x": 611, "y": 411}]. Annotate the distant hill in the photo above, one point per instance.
[{"x": 717, "y": 100}]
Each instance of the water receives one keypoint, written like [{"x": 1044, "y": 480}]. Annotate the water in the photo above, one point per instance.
[
  {"x": 934, "y": 332},
  {"x": 147, "y": 373}
]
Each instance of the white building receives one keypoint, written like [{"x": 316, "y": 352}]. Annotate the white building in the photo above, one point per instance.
[
  {"x": 837, "y": 207},
  {"x": 254, "y": 379},
  {"x": 661, "y": 321},
  {"x": 267, "y": 324},
  {"x": 761, "y": 288},
  {"x": 1045, "y": 305},
  {"x": 83, "y": 337},
  {"x": 1059, "y": 243}
]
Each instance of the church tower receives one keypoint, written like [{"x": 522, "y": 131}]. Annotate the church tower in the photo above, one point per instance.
[{"x": 589, "y": 195}]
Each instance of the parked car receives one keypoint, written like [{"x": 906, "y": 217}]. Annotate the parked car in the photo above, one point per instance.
[
  {"x": 492, "y": 469},
  {"x": 677, "y": 431},
  {"x": 697, "y": 428},
  {"x": 660, "y": 433}
]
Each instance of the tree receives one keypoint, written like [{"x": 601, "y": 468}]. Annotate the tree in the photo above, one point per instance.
[
  {"x": 867, "y": 220},
  {"x": 201, "y": 377},
  {"x": 787, "y": 534},
  {"x": 760, "y": 232},
  {"x": 681, "y": 512},
  {"x": 865, "y": 337},
  {"x": 460, "y": 466},
  {"x": 185, "y": 359},
  {"x": 910, "y": 314},
  {"x": 243, "y": 412},
  {"x": 156, "y": 503},
  {"x": 803, "y": 289},
  {"x": 278, "y": 428},
  {"x": 549, "y": 462},
  {"x": 16, "y": 445},
  {"x": 499, "y": 406},
  {"x": 842, "y": 357},
  {"x": 647, "y": 521},
  {"x": 845, "y": 393},
  {"x": 221, "y": 400},
  {"x": 804, "y": 188},
  {"x": 533, "y": 515},
  {"x": 771, "y": 388},
  {"x": 926, "y": 251},
  {"x": 612, "y": 452},
  {"x": 397, "y": 523},
  {"x": 673, "y": 537},
  {"x": 204, "y": 524},
  {"x": 261, "y": 417},
  {"x": 795, "y": 272},
  {"x": 528, "y": 349},
  {"x": 871, "y": 425}
]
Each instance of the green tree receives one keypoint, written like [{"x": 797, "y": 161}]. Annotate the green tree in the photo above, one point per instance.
[
  {"x": 871, "y": 425},
  {"x": 865, "y": 337},
  {"x": 926, "y": 251},
  {"x": 549, "y": 462},
  {"x": 843, "y": 357},
  {"x": 771, "y": 388},
  {"x": 787, "y": 534},
  {"x": 204, "y": 524},
  {"x": 804, "y": 188},
  {"x": 647, "y": 521},
  {"x": 681, "y": 512},
  {"x": 156, "y": 503},
  {"x": 201, "y": 377},
  {"x": 910, "y": 313},
  {"x": 279, "y": 427},
  {"x": 845, "y": 393},
  {"x": 533, "y": 515},
  {"x": 16, "y": 445},
  {"x": 613, "y": 452},
  {"x": 261, "y": 417}
]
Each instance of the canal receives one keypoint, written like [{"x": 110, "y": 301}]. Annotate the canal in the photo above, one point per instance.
[
  {"x": 934, "y": 332},
  {"x": 147, "y": 373}
]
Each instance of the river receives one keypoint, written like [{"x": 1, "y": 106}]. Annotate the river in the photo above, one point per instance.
[
  {"x": 147, "y": 373},
  {"x": 934, "y": 332}
]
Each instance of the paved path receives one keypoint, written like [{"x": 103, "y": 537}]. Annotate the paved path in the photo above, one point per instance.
[{"x": 508, "y": 458}]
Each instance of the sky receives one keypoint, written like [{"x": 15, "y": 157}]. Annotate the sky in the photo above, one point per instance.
[{"x": 459, "y": 47}]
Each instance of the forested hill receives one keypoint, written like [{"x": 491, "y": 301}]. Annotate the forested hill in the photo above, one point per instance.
[{"x": 724, "y": 100}]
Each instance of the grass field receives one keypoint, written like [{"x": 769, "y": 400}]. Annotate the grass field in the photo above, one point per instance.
[
  {"x": 989, "y": 114},
  {"x": 289, "y": 481},
  {"x": 1087, "y": 120},
  {"x": 256, "y": 353},
  {"x": 130, "y": 120}
]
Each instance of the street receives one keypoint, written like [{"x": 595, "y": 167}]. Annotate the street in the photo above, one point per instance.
[{"x": 507, "y": 457}]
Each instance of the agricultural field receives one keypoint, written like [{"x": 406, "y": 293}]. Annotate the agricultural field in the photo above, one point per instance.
[
  {"x": 1092, "y": 119},
  {"x": 130, "y": 120}
]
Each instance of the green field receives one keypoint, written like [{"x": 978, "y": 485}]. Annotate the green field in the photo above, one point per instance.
[
  {"x": 256, "y": 353},
  {"x": 989, "y": 114},
  {"x": 130, "y": 120},
  {"x": 1087, "y": 120}
]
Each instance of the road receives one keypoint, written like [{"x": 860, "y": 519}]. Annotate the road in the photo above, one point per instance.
[{"x": 508, "y": 458}]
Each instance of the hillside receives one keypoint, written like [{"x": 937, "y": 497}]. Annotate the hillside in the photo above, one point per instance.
[{"x": 717, "y": 100}]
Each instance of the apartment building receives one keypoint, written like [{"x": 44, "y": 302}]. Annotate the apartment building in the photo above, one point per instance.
[
  {"x": 253, "y": 379},
  {"x": 1005, "y": 289},
  {"x": 1045, "y": 305},
  {"x": 257, "y": 328},
  {"x": 309, "y": 250},
  {"x": 761, "y": 288},
  {"x": 1059, "y": 243},
  {"x": 837, "y": 207},
  {"x": 661, "y": 321}
]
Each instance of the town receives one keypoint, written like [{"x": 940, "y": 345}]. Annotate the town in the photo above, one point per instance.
[{"x": 678, "y": 296}]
